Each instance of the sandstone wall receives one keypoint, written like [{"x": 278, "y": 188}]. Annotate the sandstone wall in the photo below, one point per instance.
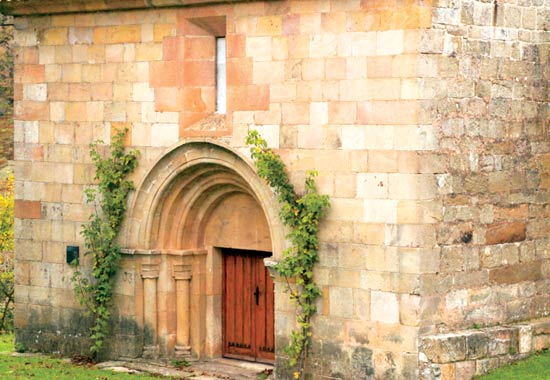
[
  {"x": 426, "y": 122},
  {"x": 487, "y": 91}
]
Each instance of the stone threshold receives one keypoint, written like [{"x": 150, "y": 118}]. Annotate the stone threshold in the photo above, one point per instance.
[{"x": 216, "y": 369}]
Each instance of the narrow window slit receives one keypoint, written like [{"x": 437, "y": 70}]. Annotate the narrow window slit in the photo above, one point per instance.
[{"x": 221, "y": 85}]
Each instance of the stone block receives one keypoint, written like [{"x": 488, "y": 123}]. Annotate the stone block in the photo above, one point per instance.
[
  {"x": 32, "y": 111},
  {"x": 516, "y": 273},
  {"x": 400, "y": 112},
  {"x": 353, "y": 137},
  {"x": 80, "y": 35},
  {"x": 164, "y": 134},
  {"x": 143, "y": 93},
  {"x": 372, "y": 185},
  {"x": 27, "y": 209},
  {"x": 342, "y": 112},
  {"x": 380, "y": 211},
  {"x": 445, "y": 348},
  {"x": 412, "y": 211},
  {"x": 147, "y": 52},
  {"x": 525, "y": 339},
  {"x": 54, "y": 36},
  {"x": 251, "y": 98},
  {"x": 409, "y": 309},
  {"x": 415, "y": 261},
  {"x": 71, "y": 73},
  {"x": 341, "y": 302},
  {"x": 35, "y": 92},
  {"x": 477, "y": 345},
  {"x": 389, "y": 42},
  {"x": 384, "y": 307},
  {"x": 345, "y": 185},
  {"x": 411, "y": 186},
  {"x": 117, "y": 34}
]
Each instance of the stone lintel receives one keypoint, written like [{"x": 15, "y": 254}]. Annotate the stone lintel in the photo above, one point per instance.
[
  {"x": 44, "y": 7},
  {"x": 183, "y": 252}
]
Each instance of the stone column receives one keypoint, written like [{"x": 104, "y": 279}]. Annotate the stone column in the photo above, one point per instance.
[
  {"x": 150, "y": 274},
  {"x": 182, "y": 275}
]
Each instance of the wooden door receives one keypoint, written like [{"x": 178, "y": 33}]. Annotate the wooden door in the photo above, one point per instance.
[{"x": 248, "y": 307}]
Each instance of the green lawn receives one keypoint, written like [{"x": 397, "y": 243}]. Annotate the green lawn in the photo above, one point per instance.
[
  {"x": 536, "y": 367},
  {"x": 45, "y": 368}
]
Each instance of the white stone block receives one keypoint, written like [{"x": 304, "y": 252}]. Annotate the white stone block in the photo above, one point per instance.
[
  {"x": 379, "y": 137},
  {"x": 57, "y": 111},
  {"x": 35, "y": 92},
  {"x": 164, "y": 134},
  {"x": 416, "y": 137},
  {"x": 19, "y": 131},
  {"x": 390, "y": 42},
  {"x": 31, "y": 135},
  {"x": 259, "y": 48},
  {"x": 372, "y": 185},
  {"x": 525, "y": 339},
  {"x": 95, "y": 111},
  {"x": 353, "y": 137},
  {"x": 318, "y": 113},
  {"x": 363, "y": 44},
  {"x": 141, "y": 134},
  {"x": 380, "y": 211},
  {"x": 384, "y": 307},
  {"x": 25, "y": 37},
  {"x": 141, "y": 92},
  {"x": 322, "y": 46},
  {"x": 412, "y": 186}
]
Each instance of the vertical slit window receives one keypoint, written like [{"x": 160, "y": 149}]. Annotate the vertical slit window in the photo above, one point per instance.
[{"x": 221, "y": 85}]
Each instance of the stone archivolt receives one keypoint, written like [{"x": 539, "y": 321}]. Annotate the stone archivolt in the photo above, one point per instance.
[{"x": 198, "y": 198}]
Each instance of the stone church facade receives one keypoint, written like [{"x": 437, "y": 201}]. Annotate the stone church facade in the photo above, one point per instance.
[{"x": 427, "y": 121}]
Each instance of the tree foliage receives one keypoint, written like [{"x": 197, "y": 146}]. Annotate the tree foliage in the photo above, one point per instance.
[
  {"x": 6, "y": 255},
  {"x": 110, "y": 197},
  {"x": 6, "y": 89},
  {"x": 301, "y": 214}
]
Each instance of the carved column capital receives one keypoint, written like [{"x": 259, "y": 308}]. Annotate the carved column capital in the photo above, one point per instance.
[
  {"x": 149, "y": 271},
  {"x": 182, "y": 272}
]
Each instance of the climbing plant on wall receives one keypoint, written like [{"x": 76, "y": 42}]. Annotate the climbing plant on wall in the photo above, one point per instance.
[
  {"x": 109, "y": 197},
  {"x": 301, "y": 214}
]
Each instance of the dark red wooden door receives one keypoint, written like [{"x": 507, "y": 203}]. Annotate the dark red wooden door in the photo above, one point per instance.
[{"x": 248, "y": 305}]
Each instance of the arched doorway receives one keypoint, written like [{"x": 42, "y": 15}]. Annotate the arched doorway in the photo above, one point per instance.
[{"x": 200, "y": 227}]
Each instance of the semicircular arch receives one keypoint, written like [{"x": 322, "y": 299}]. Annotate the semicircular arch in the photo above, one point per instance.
[{"x": 171, "y": 205}]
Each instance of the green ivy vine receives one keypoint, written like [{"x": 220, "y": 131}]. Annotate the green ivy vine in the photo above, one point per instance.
[
  {"x": 301, "y": 214},
  {"x": 109, "y": 196}
]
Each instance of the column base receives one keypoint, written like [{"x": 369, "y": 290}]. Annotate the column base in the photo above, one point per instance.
[
  {"x": 150, "y": 352},
  {"x": 183, "y": 352}
]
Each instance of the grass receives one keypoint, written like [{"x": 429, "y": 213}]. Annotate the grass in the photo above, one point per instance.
[
  {"x": 536, "y": 367},
  {"x": 48, "y": 368}
]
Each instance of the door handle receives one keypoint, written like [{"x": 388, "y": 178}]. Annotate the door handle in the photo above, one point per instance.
[{"x": 257, "y": 295}]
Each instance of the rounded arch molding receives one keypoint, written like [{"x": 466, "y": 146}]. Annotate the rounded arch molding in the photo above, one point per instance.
[{"x": 171, "y": 205}]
